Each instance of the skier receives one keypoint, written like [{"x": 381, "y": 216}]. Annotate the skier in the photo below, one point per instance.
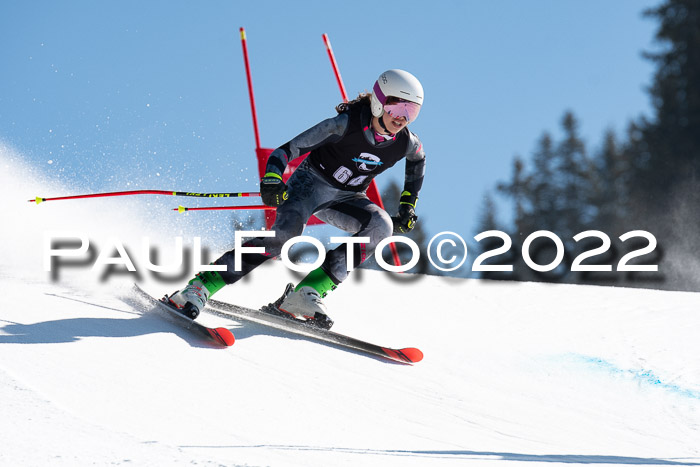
[{"x": 368, "y": 136}]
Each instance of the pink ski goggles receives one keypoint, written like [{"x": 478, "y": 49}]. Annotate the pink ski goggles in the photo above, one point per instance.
[{"x": 398, "y": 108}]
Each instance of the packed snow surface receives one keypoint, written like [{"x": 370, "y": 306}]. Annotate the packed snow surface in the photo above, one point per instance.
[{"x": 514, "y": 373}]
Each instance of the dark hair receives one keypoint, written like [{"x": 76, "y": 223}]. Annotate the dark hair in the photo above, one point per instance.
[{"x": 364, "y": 98}]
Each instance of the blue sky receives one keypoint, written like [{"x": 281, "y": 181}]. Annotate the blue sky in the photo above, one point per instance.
[{"x": 152, "y": 94}]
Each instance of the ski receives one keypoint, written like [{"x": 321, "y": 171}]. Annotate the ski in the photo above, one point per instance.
[
  {"x": 228, "y": 310},
  {"x": 221, "y": 336}
]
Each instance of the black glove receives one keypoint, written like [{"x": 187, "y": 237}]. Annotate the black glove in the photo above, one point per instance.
[
  {"x": 405, "y": 221},
  {"x": 273, "y": 190}
]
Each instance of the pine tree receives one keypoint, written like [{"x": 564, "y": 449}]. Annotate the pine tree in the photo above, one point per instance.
[
  {"x": 518, "y": 189},
  {"x": 665, "y": 184},
  {"x": 488, "y": 222},
  {"x": 609, "y": 190},
  {"x": 574, "y": 176},
  {"x": 555, "y": 193},
  {"x": 649, "y": 181},
  {"x": 669, "y": 150},
  {"x": 545, "y": 195}
]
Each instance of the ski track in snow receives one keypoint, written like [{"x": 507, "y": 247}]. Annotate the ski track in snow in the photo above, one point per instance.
[{"x": 514, "y": 374}]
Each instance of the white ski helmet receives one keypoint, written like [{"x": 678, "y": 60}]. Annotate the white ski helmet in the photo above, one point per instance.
[{"x": 395, "y": 83}]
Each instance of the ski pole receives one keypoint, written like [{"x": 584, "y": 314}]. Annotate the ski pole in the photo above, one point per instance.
[
  {"x": 224, "y": 208},
  {"x": 39, "y": 199}
]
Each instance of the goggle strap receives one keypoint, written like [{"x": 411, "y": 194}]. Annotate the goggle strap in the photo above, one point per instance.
[{"x": 378, "y": 93}]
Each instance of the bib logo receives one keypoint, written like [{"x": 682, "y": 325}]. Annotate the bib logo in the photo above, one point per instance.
[{"x": 367, "y": 162}]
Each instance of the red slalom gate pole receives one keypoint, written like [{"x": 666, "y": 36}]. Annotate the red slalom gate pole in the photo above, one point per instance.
[
  {"x": 39, "y": 199},
  {"x": 334, "y": 64},
  {"x": 260, "y": 153},
  {"x": 373, "y": 186},
  {"x": 244, "y": 43}
]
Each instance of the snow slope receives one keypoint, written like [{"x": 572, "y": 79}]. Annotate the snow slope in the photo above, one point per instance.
[{"x": 514, "y": 374}]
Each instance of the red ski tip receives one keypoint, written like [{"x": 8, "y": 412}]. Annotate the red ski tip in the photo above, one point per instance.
[
  {"x": 408, "y": 355},
  {"x": 414, "y": 355},
  {"x": 223, "y": 335}
]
